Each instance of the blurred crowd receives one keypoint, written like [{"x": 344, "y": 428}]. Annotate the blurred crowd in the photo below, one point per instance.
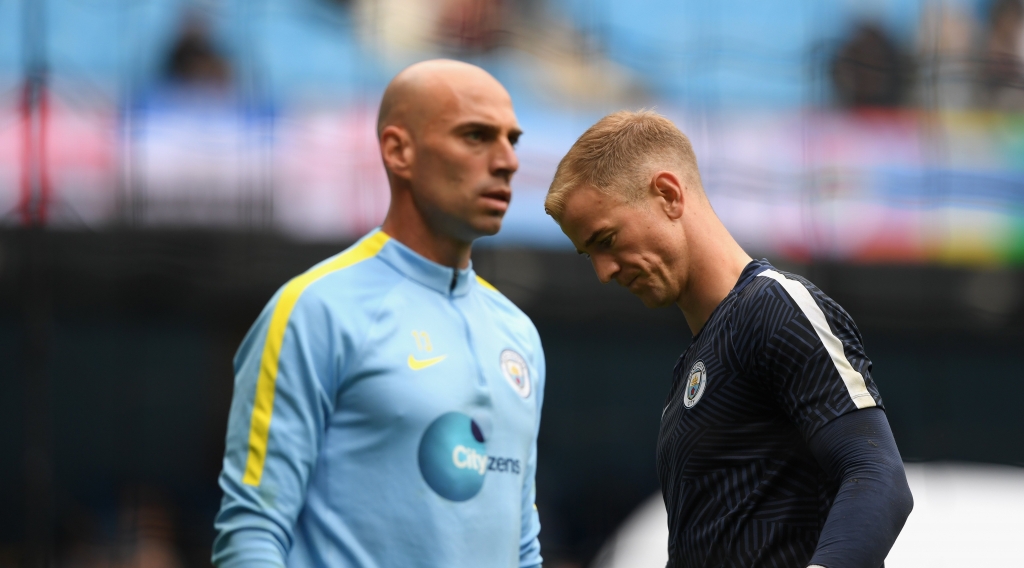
[
  {"x": 396, "y": 32},
  {"x": 957, "y": 61},
  {"x": 962, "y": 55}
]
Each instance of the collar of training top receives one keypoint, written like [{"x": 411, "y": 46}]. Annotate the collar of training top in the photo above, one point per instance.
[
  {"x": 427, "y": 272},
  {"x": 753, "y": 268}
]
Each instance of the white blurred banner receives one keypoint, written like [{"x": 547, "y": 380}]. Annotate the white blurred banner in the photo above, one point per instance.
[{"x": 964, "y": 515}]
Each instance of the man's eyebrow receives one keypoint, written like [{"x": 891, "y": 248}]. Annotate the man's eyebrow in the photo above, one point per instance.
[
  {"x": 593, "y": 237},
  {"x": 490, "y": 128},
  {"x": 477, "y": 126}
]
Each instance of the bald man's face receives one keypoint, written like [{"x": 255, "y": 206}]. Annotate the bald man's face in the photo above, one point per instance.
[{"x": 462, "y": 133}]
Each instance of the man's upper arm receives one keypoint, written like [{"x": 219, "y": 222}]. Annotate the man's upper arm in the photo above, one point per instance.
[
  {"x": 812, "y": 356},
  {"x": 283, "y": 373}
]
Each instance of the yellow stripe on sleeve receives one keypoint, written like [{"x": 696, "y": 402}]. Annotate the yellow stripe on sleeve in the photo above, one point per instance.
[
  {"x": 486, "y": 284},
  {"x": 263, "y": 405}
]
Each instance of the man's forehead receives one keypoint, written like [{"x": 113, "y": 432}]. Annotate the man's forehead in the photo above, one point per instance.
[
  {"x": 586, "y": 210},
  {"x": 482, "y": 106},
  {"x": 443, "y": 91}
]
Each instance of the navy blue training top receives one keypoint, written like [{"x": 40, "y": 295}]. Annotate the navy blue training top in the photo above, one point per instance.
[{"x": 776, "y": 361}]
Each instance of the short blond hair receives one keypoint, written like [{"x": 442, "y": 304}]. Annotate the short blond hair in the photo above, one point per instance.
[{"x": 616, "y": 154}]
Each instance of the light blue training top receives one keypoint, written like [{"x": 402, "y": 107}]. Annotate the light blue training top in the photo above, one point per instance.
[{"x": 385, "y": 414}]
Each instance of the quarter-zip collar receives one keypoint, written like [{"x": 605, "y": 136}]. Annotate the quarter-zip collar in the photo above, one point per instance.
[{"x": 443, "y": 279}]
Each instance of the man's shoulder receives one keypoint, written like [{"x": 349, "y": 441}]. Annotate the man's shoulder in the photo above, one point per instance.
[
  {"x": 495, "y": 300},
  {"x": 348, "y": 281},
  {"x": 503, "y": 309},
  {"x": 773, "y": 299},
  {"x": 772, "y": 288},
  {"x": 776, "y": 301},
  {"x": 760, "y": 294},
  {"x": 340, "y": 280}
]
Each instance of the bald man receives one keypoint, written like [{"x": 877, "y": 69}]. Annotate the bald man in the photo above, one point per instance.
[{"x": 387, "y": 401}]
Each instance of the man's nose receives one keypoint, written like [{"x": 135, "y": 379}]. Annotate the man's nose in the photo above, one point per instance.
[
  {"x": 605, "y": 267},
  {"x": 504, "y": 161}
]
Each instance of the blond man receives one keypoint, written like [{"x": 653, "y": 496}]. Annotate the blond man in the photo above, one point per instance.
[{"x": 774, "y": 448}]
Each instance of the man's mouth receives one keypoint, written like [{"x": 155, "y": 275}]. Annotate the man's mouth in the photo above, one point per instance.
[{"x": 497, "y": 198}]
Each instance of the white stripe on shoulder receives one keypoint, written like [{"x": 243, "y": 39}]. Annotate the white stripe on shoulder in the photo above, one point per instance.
[{"x": 851, "y": 377}]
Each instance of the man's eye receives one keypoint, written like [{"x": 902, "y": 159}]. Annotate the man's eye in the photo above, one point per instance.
[
  {"x": 513, "y": 140},
  {"x": 474, "y": 136},
  {"x": 607, "y": 241}
]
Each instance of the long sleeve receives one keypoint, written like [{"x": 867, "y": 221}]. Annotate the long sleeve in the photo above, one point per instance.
[
  {"x": 874, "y": 499},
  {"x": 529, "y": 544},
  {"x": 275, "y": 427}
]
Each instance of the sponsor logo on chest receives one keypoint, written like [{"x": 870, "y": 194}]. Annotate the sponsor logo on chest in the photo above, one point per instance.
[{"x": 453, "y": 457}]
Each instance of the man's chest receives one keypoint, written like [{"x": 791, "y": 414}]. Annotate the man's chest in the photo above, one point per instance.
[
  {"x": 718, "y": 407},
  {"x": 716, "y": 382},
  {"x": 422, "y": 359}
]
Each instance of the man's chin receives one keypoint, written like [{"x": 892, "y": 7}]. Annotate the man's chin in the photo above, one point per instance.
[
  {"x": 653, "y": 300},
  {"x": 488, "y": 227}
]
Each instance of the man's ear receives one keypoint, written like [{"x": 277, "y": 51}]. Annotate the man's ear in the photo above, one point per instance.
[
  {"x": 669, "y": 192},
  {"x": 396, "y": 149}
]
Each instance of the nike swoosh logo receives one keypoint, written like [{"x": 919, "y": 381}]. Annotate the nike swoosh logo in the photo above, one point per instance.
[{"x": 420, "y": 364}]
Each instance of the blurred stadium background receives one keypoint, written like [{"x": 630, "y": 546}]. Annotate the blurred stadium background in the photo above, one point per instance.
[{"x": 165, "y": 165}]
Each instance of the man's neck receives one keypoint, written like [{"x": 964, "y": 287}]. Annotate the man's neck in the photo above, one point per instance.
[
  {"x": 413, "y": 232},
  {"x": 715, "y": 265}
]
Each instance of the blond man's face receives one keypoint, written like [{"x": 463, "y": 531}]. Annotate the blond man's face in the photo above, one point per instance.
[{"x": 636, "y": 245}]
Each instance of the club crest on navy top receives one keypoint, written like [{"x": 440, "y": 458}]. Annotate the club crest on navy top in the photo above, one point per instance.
[{"x": 695, "y": 387}]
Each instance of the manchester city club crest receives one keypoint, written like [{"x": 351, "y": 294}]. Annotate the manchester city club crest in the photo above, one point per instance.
[
  {"x": 696, "y": 380},
  {"x": 514, "y": 368}
]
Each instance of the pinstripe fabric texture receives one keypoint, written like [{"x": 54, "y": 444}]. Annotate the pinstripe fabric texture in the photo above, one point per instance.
[{"x": 740, "y": 485}]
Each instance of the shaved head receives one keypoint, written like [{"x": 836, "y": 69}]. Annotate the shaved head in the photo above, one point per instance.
[
  {"x": 447, "y": 134},
  {"x": 424, "y": 89}
]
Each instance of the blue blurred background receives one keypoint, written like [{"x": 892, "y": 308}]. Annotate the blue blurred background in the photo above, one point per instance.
[{"x": 165, "y": 165}]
